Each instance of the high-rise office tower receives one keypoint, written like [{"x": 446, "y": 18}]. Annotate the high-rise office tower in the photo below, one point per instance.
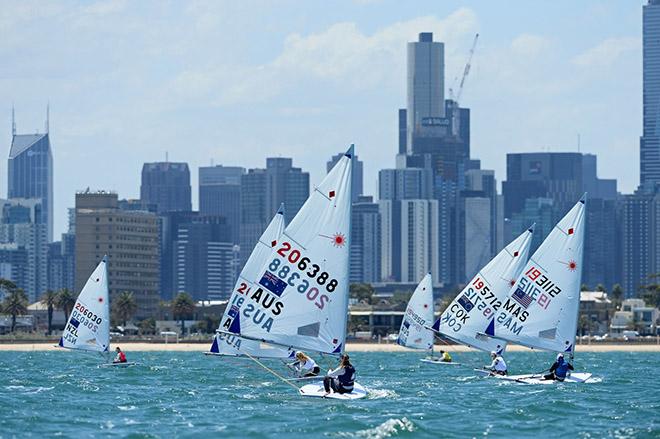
[
  {"x": 220, "y": 194},
  {"x": 21, "y": 229},
  {"x": 167, "y": 185},
  {"x": 426, "y": 83},
  {"x": 649, "y": 150},
  {"x": 365, "y": 241},
  {"x": 130, "y": 240},
  {"x": 357, "y": 172},
  {"x": 262, "y": 192},
  {"x": 30, "y": 172},
  {"x": 407, "y": 183}
]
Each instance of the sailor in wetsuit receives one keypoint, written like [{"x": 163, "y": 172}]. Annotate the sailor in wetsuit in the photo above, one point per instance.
[
  {"x": 445, "y": 357},
  {"x": 559, "y": 369},
  {"x": 498, "y": 365},
  {"x": 121, "y": 357},
  {"x": 341, "y": 379}
]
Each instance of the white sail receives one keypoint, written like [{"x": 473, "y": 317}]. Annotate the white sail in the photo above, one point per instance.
[
  {"x": 470, "y": 318},
  {"x": 233, "y": 345},
  {"x": 414, "y": 332},
  {"x": 88, "y": 327},
  {"x": 541, "y": 309},
  {"x": 299, "y": 298}
]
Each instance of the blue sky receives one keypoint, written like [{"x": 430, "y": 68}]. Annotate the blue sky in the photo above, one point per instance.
[{"x": 233, "y": 82}]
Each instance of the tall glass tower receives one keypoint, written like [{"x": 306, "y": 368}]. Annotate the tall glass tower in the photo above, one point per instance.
[
  {"x": 650, "y": 141},
  {"x": 30, "y": 172}
]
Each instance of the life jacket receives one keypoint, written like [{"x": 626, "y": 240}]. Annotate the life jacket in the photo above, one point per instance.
[
  {"x": 122, "y": 357},
  {"x": 347, "y": 379},
  {"x": 562, "y": 368}
]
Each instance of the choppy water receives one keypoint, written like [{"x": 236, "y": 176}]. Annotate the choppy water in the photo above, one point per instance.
[{"x": 185, "y": 394}]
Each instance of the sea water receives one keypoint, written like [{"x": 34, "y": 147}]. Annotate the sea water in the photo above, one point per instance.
[{"x": 186, "y": 394}]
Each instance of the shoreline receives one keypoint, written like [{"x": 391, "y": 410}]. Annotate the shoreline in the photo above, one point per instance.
[{"x": 350, "y": 347}]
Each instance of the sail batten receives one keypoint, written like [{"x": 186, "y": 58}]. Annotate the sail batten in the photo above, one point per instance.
[
  {"x": 541, "y": 309},
  {"x": 469, "y": 318}
]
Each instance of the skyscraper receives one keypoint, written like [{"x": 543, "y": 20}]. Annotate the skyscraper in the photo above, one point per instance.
[
  {"x": 426, "y": 83},
  {"x": 167, "y": 185},
  {"x": 220, "y": 194},
  {"x": 262, "y": 192},
  {"x": 30, "y": 172},
  {"x": 129, "y": 238},
  {"x": 365, "y": 241},
  {"x": 357, "y": 172},
  {"x": 649, "y": 150}
]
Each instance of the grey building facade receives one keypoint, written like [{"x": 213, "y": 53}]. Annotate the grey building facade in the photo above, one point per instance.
[
  {"x": 649, "y": 150},
  {"x": 220, "y": 194},
  {"x": 167, "y": 185}
]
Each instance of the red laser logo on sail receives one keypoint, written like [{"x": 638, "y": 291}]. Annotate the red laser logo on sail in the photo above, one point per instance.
[
  {"x": 572, "y": 265},
  {"x": 338, "y": 240}
]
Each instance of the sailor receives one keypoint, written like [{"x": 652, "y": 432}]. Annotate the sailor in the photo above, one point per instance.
[
  {"x": 498, "y": 365},
  {"x": 121, "y": 357},
  {"x": 559, "y": 369},
  {"x": 445, "y": 357},
  {"x": 341, "y": 379},
  {"x": 305, "y": 366}
]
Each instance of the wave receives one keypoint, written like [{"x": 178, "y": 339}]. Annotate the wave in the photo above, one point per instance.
[{"x": 389, "y": 428}]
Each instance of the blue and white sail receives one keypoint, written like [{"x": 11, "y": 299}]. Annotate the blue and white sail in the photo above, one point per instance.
[
  {"x": 470, "y": 317},
  {"x": 88, "y": 327},
  {"x": 299, "y": 298},
  {"x": 414, "y": 332},
  {"x": 233, "y": 345},
  {"x": 541, "y": 309}
]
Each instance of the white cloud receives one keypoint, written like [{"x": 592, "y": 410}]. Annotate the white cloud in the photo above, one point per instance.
[{"x": 607, "y": 52}]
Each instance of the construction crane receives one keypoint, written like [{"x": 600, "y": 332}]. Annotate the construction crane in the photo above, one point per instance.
[{"x": 466, "y": 71}]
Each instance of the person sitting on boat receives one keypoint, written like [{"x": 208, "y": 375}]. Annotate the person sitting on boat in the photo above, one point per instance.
[
  {"x": 498, "y": 365},
  {"x": 121, "y": 357},
  {"x": 559, "y": 369},
  {"x": 305, "y": 366},
  {"x": 341, "y": 379},
  {"x": 445, "y": 357}
]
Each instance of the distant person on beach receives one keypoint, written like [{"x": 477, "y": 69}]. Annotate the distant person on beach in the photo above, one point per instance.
[
  {"x": 498, "y": 365},
  {"x": 305, "y": 366},
  {"x": 559, "y": 369},
  {"x": 341, "y": 379},
  {"x": 445, "y": 357},
  {"x": 121, "y": 357}
]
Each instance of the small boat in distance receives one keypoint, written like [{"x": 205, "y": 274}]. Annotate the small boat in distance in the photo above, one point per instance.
[{"x": 88, "y": 327}]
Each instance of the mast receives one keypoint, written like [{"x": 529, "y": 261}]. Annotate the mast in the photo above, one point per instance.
[{"x": 351, "y": 155}]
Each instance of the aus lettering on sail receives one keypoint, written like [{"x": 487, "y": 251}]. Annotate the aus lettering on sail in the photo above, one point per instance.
[{"x": 288, "y": 269}]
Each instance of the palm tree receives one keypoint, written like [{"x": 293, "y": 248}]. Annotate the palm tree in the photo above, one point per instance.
[
  {"x": 50, "y": 299},
  {"x": 183, "y": 306},
  {"x": 617, "y": 295},
  {"x": 148, "y": 326},
  {"x": 15, "y": 304},
  {"x": 125, "y": 306},
  {"x": 65, "y": 301}
]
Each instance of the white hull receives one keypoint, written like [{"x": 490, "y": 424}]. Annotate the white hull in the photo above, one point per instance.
[
  {"x": 434, "y": 360},
  {"x": 575, "y": 377},
  {"x": 120, "y": 365},
  {"x": 317, "y": 391}
]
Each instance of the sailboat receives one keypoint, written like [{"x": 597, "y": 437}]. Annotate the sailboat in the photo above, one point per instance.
[
  {"x": 225, "y": 344},
  {"x": 541, "y": 309},
  {"x": 299, "y": 298},
  {"x": 470, "y": 317},
  {"x": 88, "y": 327},
  {"x": 414, "y": 332}
]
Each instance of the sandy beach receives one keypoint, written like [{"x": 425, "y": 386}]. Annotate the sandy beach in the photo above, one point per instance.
[{"x": 350, "y": 347}]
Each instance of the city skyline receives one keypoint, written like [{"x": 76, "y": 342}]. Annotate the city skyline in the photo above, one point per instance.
[{"x": 308, "y": 84}]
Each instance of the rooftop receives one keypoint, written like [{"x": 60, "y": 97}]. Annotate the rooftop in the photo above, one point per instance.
[{"x": 21, "y": 142}]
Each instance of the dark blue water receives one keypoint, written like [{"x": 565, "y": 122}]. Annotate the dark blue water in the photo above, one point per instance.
[{"x": 185, "y": 394}]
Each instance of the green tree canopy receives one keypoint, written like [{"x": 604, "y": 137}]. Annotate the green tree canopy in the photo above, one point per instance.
[
  {"x": 65, "y": 301},
  {"x": 148, "y": 326},
  {"x": 362, "y": 292},
  {"x": 15, "y": 304},
  {"x": 183, "y": 306},
  {"x": 124, "y": 306},
  {"x": 49, "y": 298}
]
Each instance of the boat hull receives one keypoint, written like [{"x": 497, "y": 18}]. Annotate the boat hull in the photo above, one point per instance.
[{"x": 316, "y": 390}]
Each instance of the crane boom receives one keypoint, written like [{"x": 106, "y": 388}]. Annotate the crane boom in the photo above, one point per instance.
[{"x": 466, "y": 71}]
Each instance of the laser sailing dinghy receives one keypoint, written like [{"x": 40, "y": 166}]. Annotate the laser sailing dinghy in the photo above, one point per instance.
[
  {"x": 470, "y": 317},
  {"x": 541, "y": 308},
  {"x": 88, "y": 327},
  {"x": 230, "y": 345},
  {"x": 415, "y": 332},
  {"x": 299, "y": 298}
]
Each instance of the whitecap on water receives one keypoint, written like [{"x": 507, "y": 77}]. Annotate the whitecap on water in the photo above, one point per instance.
[
  {"x": 381, "y": 393},
  {"x": 391, "y": 427},
  {"x": 126, "y": 407}
]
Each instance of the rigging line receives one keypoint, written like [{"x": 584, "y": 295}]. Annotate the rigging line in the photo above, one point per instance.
[{"x": 272, "y": 371}]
